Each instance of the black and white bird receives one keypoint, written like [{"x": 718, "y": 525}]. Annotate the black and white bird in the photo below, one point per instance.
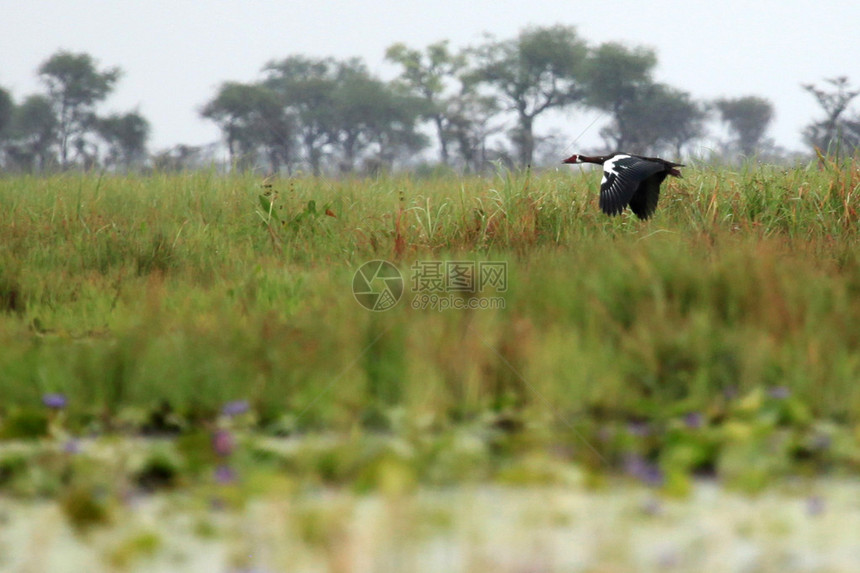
[{"x": 630, "y": 180}]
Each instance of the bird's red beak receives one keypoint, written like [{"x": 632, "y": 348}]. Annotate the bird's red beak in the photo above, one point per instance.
[{"x": 571, "y": 159}]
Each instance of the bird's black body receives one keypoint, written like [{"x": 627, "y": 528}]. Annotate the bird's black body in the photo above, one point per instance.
[{"x": 630, "y": 180}]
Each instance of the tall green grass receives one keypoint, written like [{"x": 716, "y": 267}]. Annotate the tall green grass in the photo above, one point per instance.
[{"x": 134, "y": 294}]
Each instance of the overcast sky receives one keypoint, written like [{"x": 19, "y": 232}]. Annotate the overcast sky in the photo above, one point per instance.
[{"x": 175, "y": 53}]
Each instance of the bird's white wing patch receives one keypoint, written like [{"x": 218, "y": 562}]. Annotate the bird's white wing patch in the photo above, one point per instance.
[{"x": 611, "y": 167}]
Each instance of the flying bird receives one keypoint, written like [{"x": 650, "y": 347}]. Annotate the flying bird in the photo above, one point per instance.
[{"x": 630, "y": 180}]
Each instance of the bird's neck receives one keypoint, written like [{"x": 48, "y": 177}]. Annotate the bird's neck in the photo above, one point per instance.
[{"x": 599, "y": 159}]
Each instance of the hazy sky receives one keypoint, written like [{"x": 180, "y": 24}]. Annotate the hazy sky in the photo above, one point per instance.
[{"x": 175, "y": 53}]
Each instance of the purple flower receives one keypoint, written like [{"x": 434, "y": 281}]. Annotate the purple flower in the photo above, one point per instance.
[
  {"x": 779, "y": 392},
  {"x": 224, "y": 474},
  {"x": 54, "y": 401},
  {"x": 640, "y": 429},
  {"x": 235, "y": 408},
  {"x": 223, "y": 443},
  {"x": 693, "y": 420},
  {"x": 71, "y": 446},
  {"x": 643, "y": 470},
  {"x": 814, "y": 505}
]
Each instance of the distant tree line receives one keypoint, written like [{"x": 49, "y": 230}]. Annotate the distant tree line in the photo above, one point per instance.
[
  {"x": 60, "y": 128},
  {"x": 479, "y": 103},
  {"x": 473, "y": 106}
]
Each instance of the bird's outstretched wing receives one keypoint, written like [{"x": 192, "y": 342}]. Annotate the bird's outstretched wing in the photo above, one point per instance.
[
  {"x": 622, "y": 176},
  {"x": 644, "y": 200}
]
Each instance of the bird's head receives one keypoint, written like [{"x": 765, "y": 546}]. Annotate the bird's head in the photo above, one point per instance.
[{"x": 573, "y": 159}]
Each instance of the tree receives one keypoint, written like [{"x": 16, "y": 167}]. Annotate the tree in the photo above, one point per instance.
[
  {"x": 618, "y": 80},
  {"x": 367, "y": 113},
  {"x": 75, "y": 86},
  {"x": 833, "y": 132},
  {"x": 656, "y": 118},
  {"x": 305, "y": 88},
  {"x": 425, "y": 74},
  {"x": 540, "y": 69},
  {"x": 614, "y": 73},
  {"x": 251, "y": 118},
  {"x": 393, "y": 133},
  {"x": 683, "y": 118},
  {"x": 125, "y": 136},
  {"x": 469, "y": 123},
  {"x": 178, "y": 158},
  {"x": 360, "y": 103},
  {"x": 647, "y": 117},
  {"x": 33, "y": 134},
  {"x": 7, "y": 106},
  {"x": 748, "y": 118},
  {"x": 340, "y": 106}
]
